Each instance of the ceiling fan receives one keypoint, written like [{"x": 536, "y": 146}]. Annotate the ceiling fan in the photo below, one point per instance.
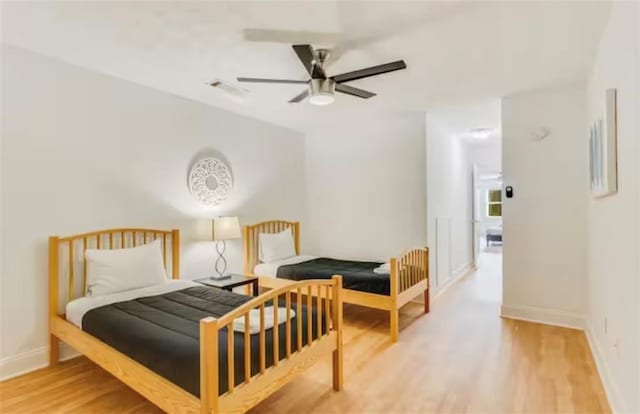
[{"x": 321, "y": 88}]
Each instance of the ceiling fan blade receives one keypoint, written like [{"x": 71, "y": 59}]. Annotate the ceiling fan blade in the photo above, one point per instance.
[
  {"x": 372, "y": 71},
  {"x": 262, "y": 80},
  {"x": 350, "y": 90},
  {"x": 300, "y": 97},
  {"x": 307, "y": 57}
]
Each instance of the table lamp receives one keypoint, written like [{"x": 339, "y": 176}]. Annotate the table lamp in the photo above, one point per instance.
[{"x": 224, "y": 228}]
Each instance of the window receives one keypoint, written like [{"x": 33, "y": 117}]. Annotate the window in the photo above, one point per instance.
[{"x": 494, "y": 203}]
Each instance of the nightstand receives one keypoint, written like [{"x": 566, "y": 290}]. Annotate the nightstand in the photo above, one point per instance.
[{"x": 231, "y": 282}]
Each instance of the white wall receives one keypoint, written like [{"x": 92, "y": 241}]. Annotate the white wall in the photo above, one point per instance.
[
  {"x": 487, "y": 156},
  {"x": 613, "y": 265},
  {"x": 366, "y": 187},
  {"x": 449, "y": 202},
  {"x": 545, "y": 222},
  {"x": 84, "y": 151}
]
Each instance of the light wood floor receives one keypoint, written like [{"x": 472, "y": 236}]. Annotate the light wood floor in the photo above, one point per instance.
[{"x": 461, "y": 358}]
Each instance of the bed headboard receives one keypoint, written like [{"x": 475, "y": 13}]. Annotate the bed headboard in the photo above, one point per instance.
[
  {"x": 68, "y": 268},
  {"x": 250, "y": 234}
]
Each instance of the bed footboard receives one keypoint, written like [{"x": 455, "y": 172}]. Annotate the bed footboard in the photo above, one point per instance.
[
  {"x": 322, "y": 295},
  {"x": 409, "y": 279}
]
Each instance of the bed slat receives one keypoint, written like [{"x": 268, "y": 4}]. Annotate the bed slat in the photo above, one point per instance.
[
  {"x": 247, "y": 348},
  {"x": 276, "y": 333},
  {"x": 288, "y": 324},
  {"x": 263, "y": 351},
  {"x": 71, "y": 259},
  {"x": 326, "y": 307},
  {"x": 230, "y": 358},
  {"x": 319, "y": 313},
  {"x": 299, "y": 317},
  {"x": 309, "y": 316}
]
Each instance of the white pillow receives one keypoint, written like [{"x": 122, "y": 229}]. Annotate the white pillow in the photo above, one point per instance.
[
  {"x": 110, "y": 271},
  {"x": 276, "y": 246}
]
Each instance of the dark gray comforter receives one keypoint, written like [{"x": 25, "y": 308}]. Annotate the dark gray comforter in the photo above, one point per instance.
[
  {"x": 162, "y": 333},
  {"x": 355, "y": 275}
]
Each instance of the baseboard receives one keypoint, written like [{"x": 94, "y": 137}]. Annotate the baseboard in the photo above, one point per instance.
[
  {"x": 616, "y": 403},
  {"x": 25, "y": 362},
  {"x": 544, "y": 316}
]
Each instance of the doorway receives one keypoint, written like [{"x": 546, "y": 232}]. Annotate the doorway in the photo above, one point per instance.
[
  {"x": 487, "y": 226},
  {"x": 463, "y": 151}
]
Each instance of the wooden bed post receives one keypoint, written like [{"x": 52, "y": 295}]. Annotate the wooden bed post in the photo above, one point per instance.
[
  {"x": 296, "y": 237},
  {"x": 175, "y": 254},
  {"x": 428, "y": 289},
  {"x": 337, "y": 319},
  {"x": 393, "y": 295},
  {"x": 54, "y": 293},
  {"x": 209, "y": 366},
  {"x": 247, "y": 249}
]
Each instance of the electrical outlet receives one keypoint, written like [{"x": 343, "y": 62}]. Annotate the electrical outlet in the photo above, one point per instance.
[
  {"x": 605, "y": 325},
  {"x": 616, "y": 345}
]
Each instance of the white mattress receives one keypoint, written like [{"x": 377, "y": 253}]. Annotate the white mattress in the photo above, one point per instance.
[
  {"x": 78, "y": 307},
  {"x": 271, "y": 269}
]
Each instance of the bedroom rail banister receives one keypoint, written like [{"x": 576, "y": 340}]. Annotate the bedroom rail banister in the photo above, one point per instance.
[{"x": 209, "y": 387}]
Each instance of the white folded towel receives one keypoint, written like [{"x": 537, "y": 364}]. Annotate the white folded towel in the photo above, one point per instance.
[
  {"x": 383, "y": 269},
  {"x": 254, "y": 319}
]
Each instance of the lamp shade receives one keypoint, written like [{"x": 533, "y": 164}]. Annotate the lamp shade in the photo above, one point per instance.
[{"x": 226, "y": 228}]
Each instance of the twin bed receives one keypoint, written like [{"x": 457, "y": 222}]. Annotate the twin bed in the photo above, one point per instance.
[
  {"x": 189, "y": 348},
  {"x": 407, "y": 276},
  {"x": 186, "y": 347}
]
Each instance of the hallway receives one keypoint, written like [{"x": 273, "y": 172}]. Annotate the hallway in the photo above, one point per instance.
[{"x": 461, "y": 358}]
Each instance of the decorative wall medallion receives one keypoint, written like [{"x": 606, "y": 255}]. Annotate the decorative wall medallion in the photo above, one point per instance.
[{"x": 210, "y": 181}]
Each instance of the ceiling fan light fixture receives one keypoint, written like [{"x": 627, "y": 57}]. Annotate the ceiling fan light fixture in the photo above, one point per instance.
[{"x": 322, "y": 91}]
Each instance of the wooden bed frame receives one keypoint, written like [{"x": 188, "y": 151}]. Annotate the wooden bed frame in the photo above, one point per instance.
[
  {"x": 409, "y": 276},
  {"x": 66, "y": 257}
]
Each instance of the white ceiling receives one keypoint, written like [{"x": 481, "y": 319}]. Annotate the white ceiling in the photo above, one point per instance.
[
  {"x": 458, "y": 120},
  {"x": 455, "y": 51}
]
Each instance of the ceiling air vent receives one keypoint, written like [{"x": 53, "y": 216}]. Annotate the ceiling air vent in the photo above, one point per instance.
[{"x": 232, "y": 92}]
